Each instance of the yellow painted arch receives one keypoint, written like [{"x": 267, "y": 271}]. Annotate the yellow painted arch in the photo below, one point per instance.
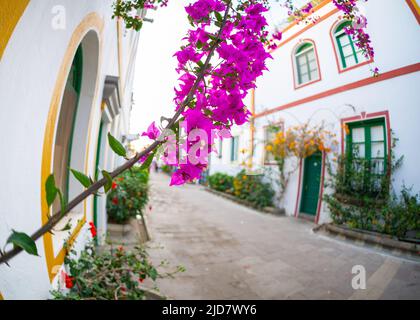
[
  {"x": 91, "y": 22},
  {"x": 10, "y": 13}
]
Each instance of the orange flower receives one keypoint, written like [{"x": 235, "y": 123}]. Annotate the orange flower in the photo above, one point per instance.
[
  {"x": 292, "y": 145},
  {"x": 346, "y": 129}
]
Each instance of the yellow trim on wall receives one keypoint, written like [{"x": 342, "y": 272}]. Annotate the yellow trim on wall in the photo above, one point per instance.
[
  {"x": 120, "y": 62},
  {"x": 91, "y": 22},
  {"x": 1, "y": 296},
  {"x": 10, "y": 14},
  {"x": 415, "y": 8},
  {"x": 415, "y": 5}
]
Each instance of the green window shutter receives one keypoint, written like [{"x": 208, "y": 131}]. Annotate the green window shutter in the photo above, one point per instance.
[{"x": 75, "y": 77}]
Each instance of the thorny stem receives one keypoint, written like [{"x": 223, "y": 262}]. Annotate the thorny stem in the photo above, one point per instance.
[{"x": 58, "y": 216}]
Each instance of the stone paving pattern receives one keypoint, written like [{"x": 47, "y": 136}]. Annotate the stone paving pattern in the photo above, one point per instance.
[{"x": 232, "y": 252}]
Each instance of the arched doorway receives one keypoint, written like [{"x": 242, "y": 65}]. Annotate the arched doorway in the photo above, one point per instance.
[
  {"x": 65, "y": 126},
  {"x": 73, "y": 123},
  {"x": 72, "y": 136}
]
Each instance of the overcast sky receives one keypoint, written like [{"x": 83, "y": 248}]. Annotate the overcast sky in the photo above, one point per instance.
[{"x": 155, "y": 69}]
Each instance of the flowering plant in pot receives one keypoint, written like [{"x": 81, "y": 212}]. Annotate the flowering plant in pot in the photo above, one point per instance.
[{"x": 128, "y": 196}]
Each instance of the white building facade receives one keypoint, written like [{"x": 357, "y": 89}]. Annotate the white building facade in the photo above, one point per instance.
[
  {"x": 317, "y": 75},
  {"x": 66, "y": 75}
]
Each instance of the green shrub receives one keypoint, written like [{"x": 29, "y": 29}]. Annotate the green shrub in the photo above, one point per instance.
[
  {"x": 220, "y": 182},
  {"x": 402, "y": 215},
  {"x": 252, "y": 189},
  {"x": 246, "y": 187},
  {"x": 166, "y": 169},
  {"x": 114, "y": 274},
  {"x": 398, "y": 216},
  {"x": 128, "y": 196},
  {"x": 363, "y": 200}
]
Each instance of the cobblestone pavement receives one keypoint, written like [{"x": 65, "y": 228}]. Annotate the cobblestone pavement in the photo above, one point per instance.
[{"x": 232, "y": 252}]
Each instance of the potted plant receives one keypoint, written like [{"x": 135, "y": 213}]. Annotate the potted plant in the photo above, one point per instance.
[{"x": 126, "y": 201}]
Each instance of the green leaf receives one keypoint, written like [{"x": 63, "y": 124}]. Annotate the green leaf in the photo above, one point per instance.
[
  {"x": 22, "y": 240},
  {"x": 218, "y": 15},
  {"x": 82, "y": 178},
  {"x": 108, "y": 178},
  {"x": 212, "y": 36},
  {"x": 51, "y": 190},
  {"x": 67, "y": 226},
  {"x": 62, "y": 202},
  {"x": 146, "y": 164},
  {"x": 153, "y": 273},
  {"x": 116, "y": 146}
]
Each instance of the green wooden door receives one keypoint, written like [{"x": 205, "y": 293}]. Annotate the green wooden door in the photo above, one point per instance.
[{"x": 311, "y": 184}]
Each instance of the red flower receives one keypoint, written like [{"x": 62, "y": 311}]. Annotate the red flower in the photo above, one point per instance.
[
  {"x": 69, "y": 281},
  {"x": 114, "y": 185},
  {"x": 115, "y": 201},
  {"x": 92, "y": 229}
]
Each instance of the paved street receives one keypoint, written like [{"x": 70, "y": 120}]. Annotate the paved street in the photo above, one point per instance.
[{"x": 232, "y": 252}]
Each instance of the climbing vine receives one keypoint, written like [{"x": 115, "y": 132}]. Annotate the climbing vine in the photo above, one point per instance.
[{"x": 289, "y": 148}]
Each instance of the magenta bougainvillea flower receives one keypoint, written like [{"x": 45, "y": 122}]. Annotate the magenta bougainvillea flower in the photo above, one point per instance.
[
  {"x": 308, "y": 8},
  {"x": 152, "y": 132},
  {"x": 202, "y": 8}
]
